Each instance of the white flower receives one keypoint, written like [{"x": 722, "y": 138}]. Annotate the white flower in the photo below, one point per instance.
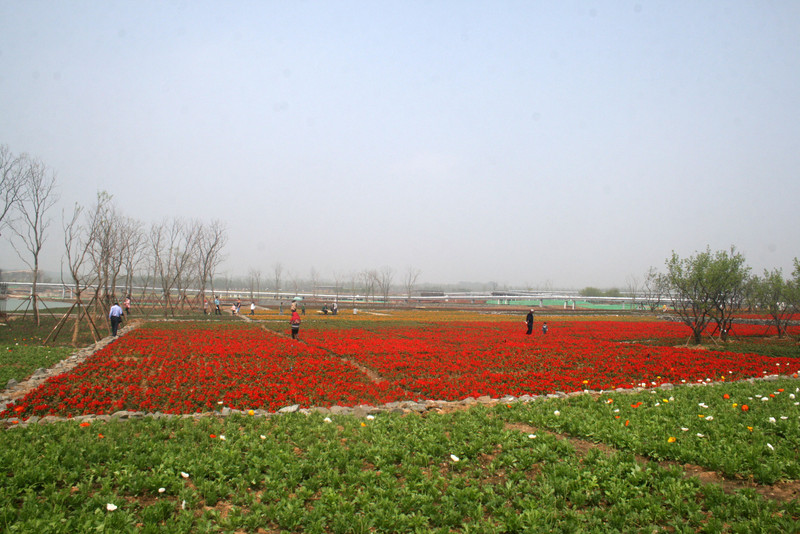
[
  {"x": 710, "y": 418},
  {"x": 657, "y": 404},
  {"x": 162, "y": 490},
  {"x": 699, "y": 435},
  {"x": 223, "y": 438},
  {"x": 771, "y": 419},
  {"x": 702, "y": 405},
  {"x": 556, "y": 412},
  {"x": 532, "y": 436},
  {"x": 672, "y": 399},
  {"x": 758, "y": 396},
  {"x": 183, "y": 505},
  {"x": 454, "y": 457},
  {"x": 370, "y": 417},
  {"x": 684, "y": 429},
  {"x": 327, "y": 420},
  {"x": 184, "y": 474},
  {"x": 220, "y": 402},
  {"x": 784, "y": 417},
  {"x": 764, "y": 399},
  {"x": 616, "y": 411},
  {"x": 770, "y": 446},
  {"x": 111, "y": 507},
  {"x": 791, "y": 395},
  {"x": 262, "y": 436}
]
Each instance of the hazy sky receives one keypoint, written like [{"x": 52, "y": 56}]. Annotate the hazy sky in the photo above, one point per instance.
[{"x": 528, "y": 143}]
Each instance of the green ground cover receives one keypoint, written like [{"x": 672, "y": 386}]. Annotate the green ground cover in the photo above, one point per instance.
[
  {"x": 20, "y": 361},
  {"x": 467, "y": 471}
]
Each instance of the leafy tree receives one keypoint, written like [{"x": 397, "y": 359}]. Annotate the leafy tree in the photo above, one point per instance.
[
  {"x": 776, "y": 295},
  {"x": 707, "y": 287}
]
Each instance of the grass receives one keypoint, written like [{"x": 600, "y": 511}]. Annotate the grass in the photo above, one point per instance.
[{"x": 20, "y": 361}]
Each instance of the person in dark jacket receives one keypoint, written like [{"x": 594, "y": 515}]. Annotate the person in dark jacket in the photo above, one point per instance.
[{"x": 529, "y": 322}]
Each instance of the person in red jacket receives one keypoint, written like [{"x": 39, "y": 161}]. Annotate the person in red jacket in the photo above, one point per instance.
[{"x": 294, "y": 321}]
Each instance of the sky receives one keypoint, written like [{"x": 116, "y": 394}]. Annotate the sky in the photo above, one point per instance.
[{"x": 533, "y": 144}]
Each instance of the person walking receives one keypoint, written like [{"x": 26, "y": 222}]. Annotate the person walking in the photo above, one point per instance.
[
  {"x": 217, "y": 311},
  {"x": 127, "y": 304},
  {"x": 115, "y": 317},
  {"x": 529, "y": 322},
  {"x": 294, "y": 321},
  {"x": 252, "y": 308},
  {"x": 544, "y": 328}
]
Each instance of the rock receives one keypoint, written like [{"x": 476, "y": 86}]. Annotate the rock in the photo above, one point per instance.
[
  {"x": 11, "y": 383},
  {"x": 288, "y": 409}
]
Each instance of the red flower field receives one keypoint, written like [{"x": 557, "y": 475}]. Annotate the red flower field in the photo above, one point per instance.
[{"x": 189, "y": 369}]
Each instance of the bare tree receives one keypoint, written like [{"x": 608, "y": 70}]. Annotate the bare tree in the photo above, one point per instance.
[
  {"x": 354, "y": 277},
  {"x": 314, "y": 278},
  {"x": 655, "y": 289},
  {"x": 186, "y": 258},
  {"x": 277, "y": 272},
  {"x": 172, "y": 245},
  {"x": 410, "y": 280},
  {"x": 254, "y": 276},
  {"x": 78, "y": 243},
  {"x": 633, "y": 287},
  {"x": 106, "y": 247},
  {"x": 337, "y": 282},
  {"x": 368, "y": 278},
  {"x": 38, "y": 194},
  {"x": 12, "y": 178},
  {"x": 383, "y": 278},
  {"x": 211, "y": 240},
  {"x": 132, "y": 248}
]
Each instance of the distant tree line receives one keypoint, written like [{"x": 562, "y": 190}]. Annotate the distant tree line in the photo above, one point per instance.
[{"x": 710, "y": 288}]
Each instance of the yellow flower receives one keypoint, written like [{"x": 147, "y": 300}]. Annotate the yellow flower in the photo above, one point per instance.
[
  {"x": 750, "y": 428},
  {"x": 735, "y": 404},
  {"x": 671, "y": 439}
]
